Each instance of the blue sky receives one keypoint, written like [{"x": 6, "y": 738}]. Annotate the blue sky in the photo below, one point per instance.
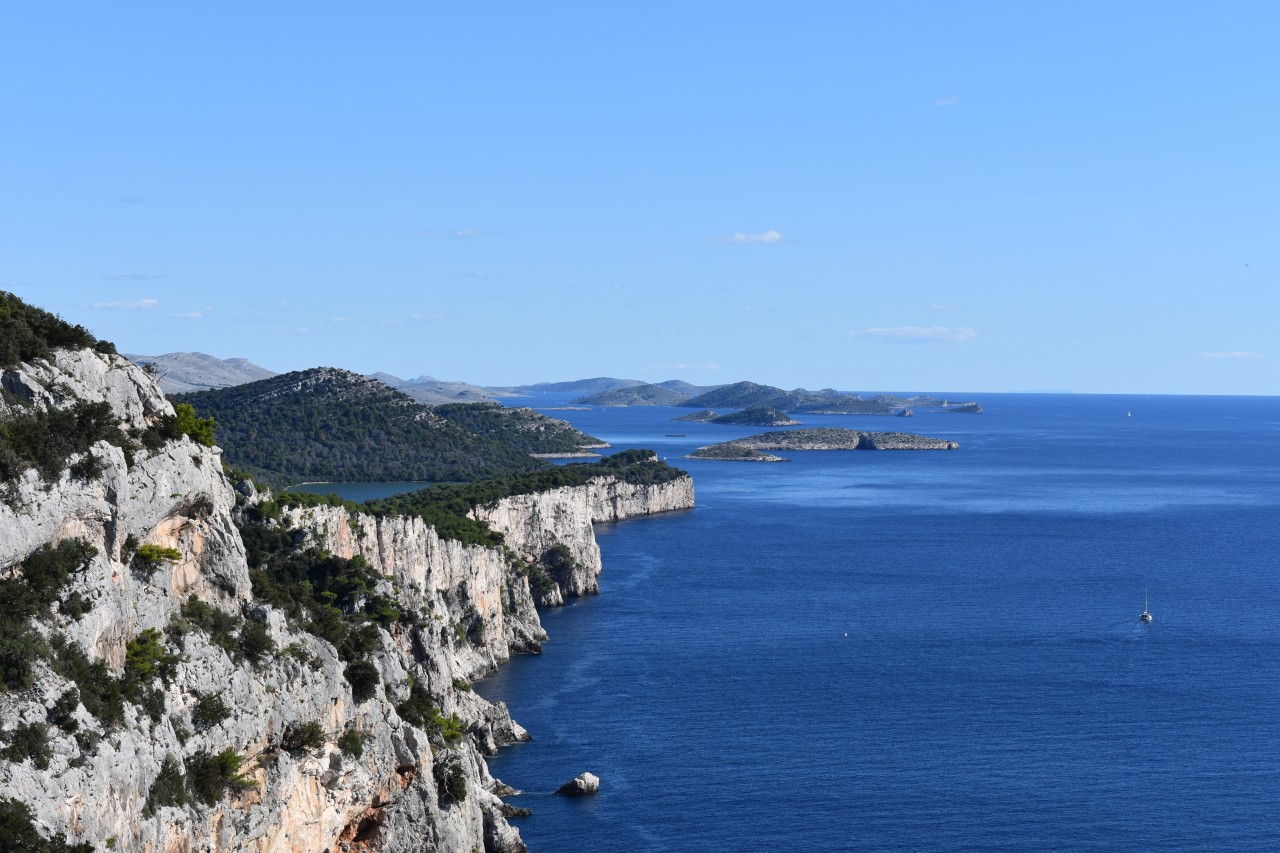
[{"x": 872, "y": 196}]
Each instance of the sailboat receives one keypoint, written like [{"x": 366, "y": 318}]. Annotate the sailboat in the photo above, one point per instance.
[{"x": 1146, "y": 612}]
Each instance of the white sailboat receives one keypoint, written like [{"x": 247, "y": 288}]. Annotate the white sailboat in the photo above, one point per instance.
[{"x": 1146, "y": 612}]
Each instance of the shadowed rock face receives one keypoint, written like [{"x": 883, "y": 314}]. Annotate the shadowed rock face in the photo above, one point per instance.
[{"x": 176, "y": 497}]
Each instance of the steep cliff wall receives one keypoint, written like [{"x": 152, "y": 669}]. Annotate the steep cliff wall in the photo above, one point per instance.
[
  {"x": 534, "y": 525},
  {"x": 404, "y": 791}
]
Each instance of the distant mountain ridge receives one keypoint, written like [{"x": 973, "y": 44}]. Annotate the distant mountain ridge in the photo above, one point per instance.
[
  {"x": 672, "y": 392},
  {"x": 747, "y": 395},
  {"x": 182, "y": 372},
  {"x": 433, "y": 392},
  {"x": 581, "y": 386}
]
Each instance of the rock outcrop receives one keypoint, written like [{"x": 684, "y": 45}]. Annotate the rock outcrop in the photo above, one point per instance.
[
  {"x": 403, "y": 788},
  {"x": 580, "y": 785}
]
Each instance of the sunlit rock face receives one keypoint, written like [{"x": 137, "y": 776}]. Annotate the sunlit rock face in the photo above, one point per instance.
[{"x": 476, "y": 604}]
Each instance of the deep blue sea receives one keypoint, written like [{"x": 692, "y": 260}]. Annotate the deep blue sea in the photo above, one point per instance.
[{"x": 927, "y": 651}]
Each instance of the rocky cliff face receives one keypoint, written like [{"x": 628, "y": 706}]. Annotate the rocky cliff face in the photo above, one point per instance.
[
  {"x": 405, "y": 790},
  {"x": 534, "y": 525}
]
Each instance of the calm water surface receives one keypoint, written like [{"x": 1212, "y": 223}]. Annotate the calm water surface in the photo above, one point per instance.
[{"x": 927, "y": 651}]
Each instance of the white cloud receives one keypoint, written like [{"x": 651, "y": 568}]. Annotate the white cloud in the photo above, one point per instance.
[
  {"x": 743, "y": 238},
  {"x": 124, "y": 305},
  {"x": 1233, "y": 356},
  {"x": 190, "y": 315},
  {"x": 918, "y": 334},
  {"x": 946, "y": 102},
  {"x": 940, "y": 307}
]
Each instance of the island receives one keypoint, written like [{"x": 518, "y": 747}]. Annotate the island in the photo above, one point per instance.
[
  {"x": 822, "y": 438},
  {"x": 754, "y": 416}
]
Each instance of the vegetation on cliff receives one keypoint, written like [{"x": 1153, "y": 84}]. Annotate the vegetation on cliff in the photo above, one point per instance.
[
  {"x": 325, "y": 424},
  {"x": 28, "y": 333},
  {"x": 447, "y": 508}
]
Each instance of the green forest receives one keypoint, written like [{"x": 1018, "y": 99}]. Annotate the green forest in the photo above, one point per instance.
[{"x": 331, "y": 425}]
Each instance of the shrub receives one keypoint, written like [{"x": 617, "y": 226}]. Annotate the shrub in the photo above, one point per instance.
[
  {"x": 302, "y": 737},
  {"x": 145, "y": 659},
  {"x": 148, "y": 558},
  {"x": 255, "y": 642},
  {"x": 63, "y": 712},
  {"x": 351, "y": 743},
  {"x": 209, "y": 711},
  {"x": 218, "y": 624},
  {"x": 420, "y": 711},
  {"x": 462, "y": 685},
  {"x": 451, "y": 785},
  {"x": 18, "y": 831},
  {"x": 169, "y": 787},
  {"x": 364, "y": 679},
  {"x": 100, "y": 693},
  {"x": 210, "y": 776},
  {"x": 29, "y": 740}
]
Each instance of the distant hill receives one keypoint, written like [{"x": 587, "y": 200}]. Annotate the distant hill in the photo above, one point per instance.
[
  {"x": 433, "y": 392},
  {"x": 688, "y": 388},
  {"x": 672, "y": 392},
  {"x": 326, "y": 424},
  {"x": 180, "y": 372},
  {"x": 635, "y": 395},
  {"x": 580, "y": 386},
  {"x": 745, "y": 395},
  {"x": 523, "y": 429},
  {"x": 755, "y": 416}
]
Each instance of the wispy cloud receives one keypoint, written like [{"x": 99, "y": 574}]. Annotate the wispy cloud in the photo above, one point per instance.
[
  {"x": 946, "y": 102},
  {"x": 918, "y": 334},
  {"x": 132, "y": 276},
  {"x": 451, "y": 233},
  {"x": 124, "y": 305},
  {"x": 743, "y": 238},
  {"x": 189, "y": 315},
  {"x": 940, "y": 307},
  {"x": 479, "y": 276},
  {"x": 1233, "y": 356}
]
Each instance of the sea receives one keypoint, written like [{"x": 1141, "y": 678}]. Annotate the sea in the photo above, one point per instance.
[{"x": 926, "y": 650}]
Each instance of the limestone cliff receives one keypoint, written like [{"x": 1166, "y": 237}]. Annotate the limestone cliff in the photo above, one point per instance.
[{"x": 405, "y": 788}]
